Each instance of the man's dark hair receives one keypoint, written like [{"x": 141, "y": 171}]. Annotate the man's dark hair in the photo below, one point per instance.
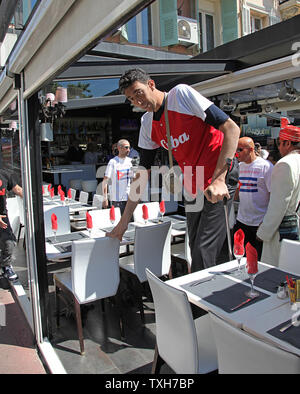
[{"x": 130, "y": 76}]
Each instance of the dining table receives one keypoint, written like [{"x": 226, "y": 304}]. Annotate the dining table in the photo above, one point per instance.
[{"x": 220, "y": 290}]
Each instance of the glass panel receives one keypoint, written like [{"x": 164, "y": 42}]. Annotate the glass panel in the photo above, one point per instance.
[{"x": 210, "y": 41}]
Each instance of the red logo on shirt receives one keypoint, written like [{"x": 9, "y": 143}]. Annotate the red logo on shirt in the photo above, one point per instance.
[{"x": 2, "y": 192}]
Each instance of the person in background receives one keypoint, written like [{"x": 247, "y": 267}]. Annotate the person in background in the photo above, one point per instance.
[
  {"x": 119, "y": 172},
  {"x": 204, "y": 137},
  {"x": 114, "y": 152},
  {"x": 7, "y": 237},
  {"x": 281, "y": 219},
  {"x": 274, "y": 156},
  {"x": 254, "y": 191},
  {"x": 91, "y": 154}
]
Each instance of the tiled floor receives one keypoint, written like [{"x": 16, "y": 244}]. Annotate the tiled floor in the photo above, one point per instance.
[{"x": 105, "y": 351}]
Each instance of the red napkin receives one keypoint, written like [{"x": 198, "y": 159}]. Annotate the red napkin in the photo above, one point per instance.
[
  {"x": 54, "y": 222},
  {"x": 162, "y": 207},
  {"x": 43, "y": 190},
  {"x": 58, "y": 189},
  {"x": 239, "y": 239},
  {"x": 52, "y": 192},
  {"x": 89, "y": 221},
  {"x": 251, "y": 254},
  {"x": 112, "y": 214},
  {"x": 145, "y": 212},
  {"x": 69, "y": 194},
  {"x": 49, "y": 187},
  {"x": 62, "y": 195}
]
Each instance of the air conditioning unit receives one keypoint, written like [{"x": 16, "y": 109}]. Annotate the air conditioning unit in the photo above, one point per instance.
[{"x": 187, "y": 31}]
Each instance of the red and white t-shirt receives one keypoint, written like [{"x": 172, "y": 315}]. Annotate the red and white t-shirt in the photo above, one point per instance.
[{"x": 195, "y": 143}]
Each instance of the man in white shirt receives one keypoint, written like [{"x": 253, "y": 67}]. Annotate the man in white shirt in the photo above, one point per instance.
[
  {"x": 254, "y": 191},
  {"x": 119, "y": 171}
]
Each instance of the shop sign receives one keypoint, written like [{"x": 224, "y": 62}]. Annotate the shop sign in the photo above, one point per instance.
[{"x": 257, "y": 131}]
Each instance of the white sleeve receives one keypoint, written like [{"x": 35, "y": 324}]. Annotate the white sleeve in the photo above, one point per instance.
[
  {"x": 184, "y": 99},
  {"x": 110, "y": 168},
  {"x": 268, "y": 175},
  {"x": 145, "y": 141}
]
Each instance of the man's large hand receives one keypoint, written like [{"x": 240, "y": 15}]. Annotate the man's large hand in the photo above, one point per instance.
[
  {"x": 216, "y": 191},
  {"x": 2, "y": 223},
  {"x": 118, "y": 231}
]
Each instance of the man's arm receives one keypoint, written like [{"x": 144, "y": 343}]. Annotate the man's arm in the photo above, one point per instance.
[
  {"x": 217, "y": 190},
  {"x": 104, "y": 191}
]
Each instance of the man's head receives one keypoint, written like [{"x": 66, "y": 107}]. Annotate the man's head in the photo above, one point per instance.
[
  {"x": 289, "y": 138},
  {"x": 246, "y": 150},
  {"x": 140, "y": 90},
  {"x": 123, "y": 148}
]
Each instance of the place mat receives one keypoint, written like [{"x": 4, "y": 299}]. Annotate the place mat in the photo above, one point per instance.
[
  {"x": 292, "y": 335},
  {"x": 64, "y": 248},
  {"x": 222, "y": 292},
  {"x": 66, "y": 238},
  {"x": 270, "y": 278}
]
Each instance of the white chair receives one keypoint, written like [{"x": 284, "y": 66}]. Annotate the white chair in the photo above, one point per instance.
[
  {"x": 75, "y": 184},
  {"x": 90, "y": 185},
  {"x": 101, "y": 217},
  {"x": 289, "y": 256},
  {"x": 63, "y": 219},
  {"x": 151, "y": 250},
  {"x": 22, "y": 218},
  {"x": 97, "y": 201},
  {"x": 186, "y": 345},
  {"x": 153, "y": 211},
  {"x": 94, "y": 275},
  {"x": 242, "y": 353},
  {"x": 13, "y": 213},
  {"x": 181, "y": 252},
  {"x": 83, "y": 197},
  {"x": 73, "y": 193}
]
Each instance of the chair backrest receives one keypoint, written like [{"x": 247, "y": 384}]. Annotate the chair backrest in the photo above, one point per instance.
[
  {"x": 241, "y": 353},
  {"x": 63, "y": 219},
  {"x": 187, "y": 249},
  {"x": 175, "y": 329},
  {"x": 21, "y": 209},
  {"x": 73, "y": 193},
  {"x": 153, "y": 211},
  {"x": 152, "y": 249},
  {"x": 83, "y": 197},
  {"x": 13, "y": 213},
  {"x": 101, "y": 217},
  {"x": 97, "y": 201},
  {"x": 95, "y": 268},
  {"x": 289, "y": 256}
]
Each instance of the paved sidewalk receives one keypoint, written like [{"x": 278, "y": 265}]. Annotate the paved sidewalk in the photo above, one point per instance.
[{"x": 17, "y": 349}]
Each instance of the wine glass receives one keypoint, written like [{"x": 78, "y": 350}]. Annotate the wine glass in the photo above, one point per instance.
[
  {"x": 238, "y": 251},
  {"x": 252, "y": 274}
]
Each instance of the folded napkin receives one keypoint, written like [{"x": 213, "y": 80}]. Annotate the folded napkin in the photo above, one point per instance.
[
  {"x": 43, "y": 190},
  {"x": 52, "y": 192},
  {"x": 62, "y": 195},
  {"x": 69, "y": 194},
  {"x": 54, "y": 222},
  {"x": 89, "y": 221},
  {"x": 145, "y": 212},
  {"x": 112, "y": 214},
  {"x": 251, "y": 254},
  {"x": 49, "y": 187},
  {"x": 162, "y": 207},
  {"x": 239, "y": 239}
]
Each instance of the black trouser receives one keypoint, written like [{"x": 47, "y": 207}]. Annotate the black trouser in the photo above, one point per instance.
[
  {"x": 250, "y": 236},
  {"x": 119, "y": 204},
  {"x": 7, "y": 244},
  {"x": 207, "y": 228}
]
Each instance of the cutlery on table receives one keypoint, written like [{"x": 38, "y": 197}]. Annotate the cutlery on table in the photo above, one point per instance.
[
  {"x": 243, "y": 303},
  {"x": 286, "y": 327},
  {"x": 198, "y": 282}
]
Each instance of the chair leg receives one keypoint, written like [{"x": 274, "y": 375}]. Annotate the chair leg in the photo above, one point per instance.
[
  {"x": 157, "y": 362},
  {"x": 79, "y": 325},
  {"x": 19, "y": 232},
  {"x": 118, "y": 303}
]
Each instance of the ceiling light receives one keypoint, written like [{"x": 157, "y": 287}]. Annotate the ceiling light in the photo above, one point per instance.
[{"x": 228, "y": 104}]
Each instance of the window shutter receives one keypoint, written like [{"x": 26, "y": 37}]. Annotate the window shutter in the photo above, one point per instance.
[
  {"x": 246, "y": 20},
  {"x": 229, "y": 20},
  {"x": 168, "y": 22}
]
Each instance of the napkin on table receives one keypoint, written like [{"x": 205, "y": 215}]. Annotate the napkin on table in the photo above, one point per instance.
[
  {"x": 112, "y": 214},
  {"x": 239, "y": 239},
  {"x": 162, "y": 207},
  {"x": 251, "y": 254},
  {"x": 89, "y": 221},
  {"x": 69, "y": 194},
  {"x": 145, "y": 212},
  {"x": 54, "y": 222}
]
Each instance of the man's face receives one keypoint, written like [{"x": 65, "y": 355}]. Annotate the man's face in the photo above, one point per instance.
[
  {"x": 282, "y": 147},
  {"x": 124, "y": 150},
  {"x": 141, "y": 95},
  {"x": 243, "y": 153}
]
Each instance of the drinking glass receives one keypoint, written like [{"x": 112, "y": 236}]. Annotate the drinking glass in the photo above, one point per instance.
[
  {"x": 54, "y": 232},
  {"x": 238, "y": 254},
  {"x": 251, "y": 293}
]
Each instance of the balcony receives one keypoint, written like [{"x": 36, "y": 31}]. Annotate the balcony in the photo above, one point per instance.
[{"x": 289, "y": 8}]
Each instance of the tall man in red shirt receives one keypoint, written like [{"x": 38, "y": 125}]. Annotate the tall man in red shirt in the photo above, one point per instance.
[{"x": 202, "y": 136}]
